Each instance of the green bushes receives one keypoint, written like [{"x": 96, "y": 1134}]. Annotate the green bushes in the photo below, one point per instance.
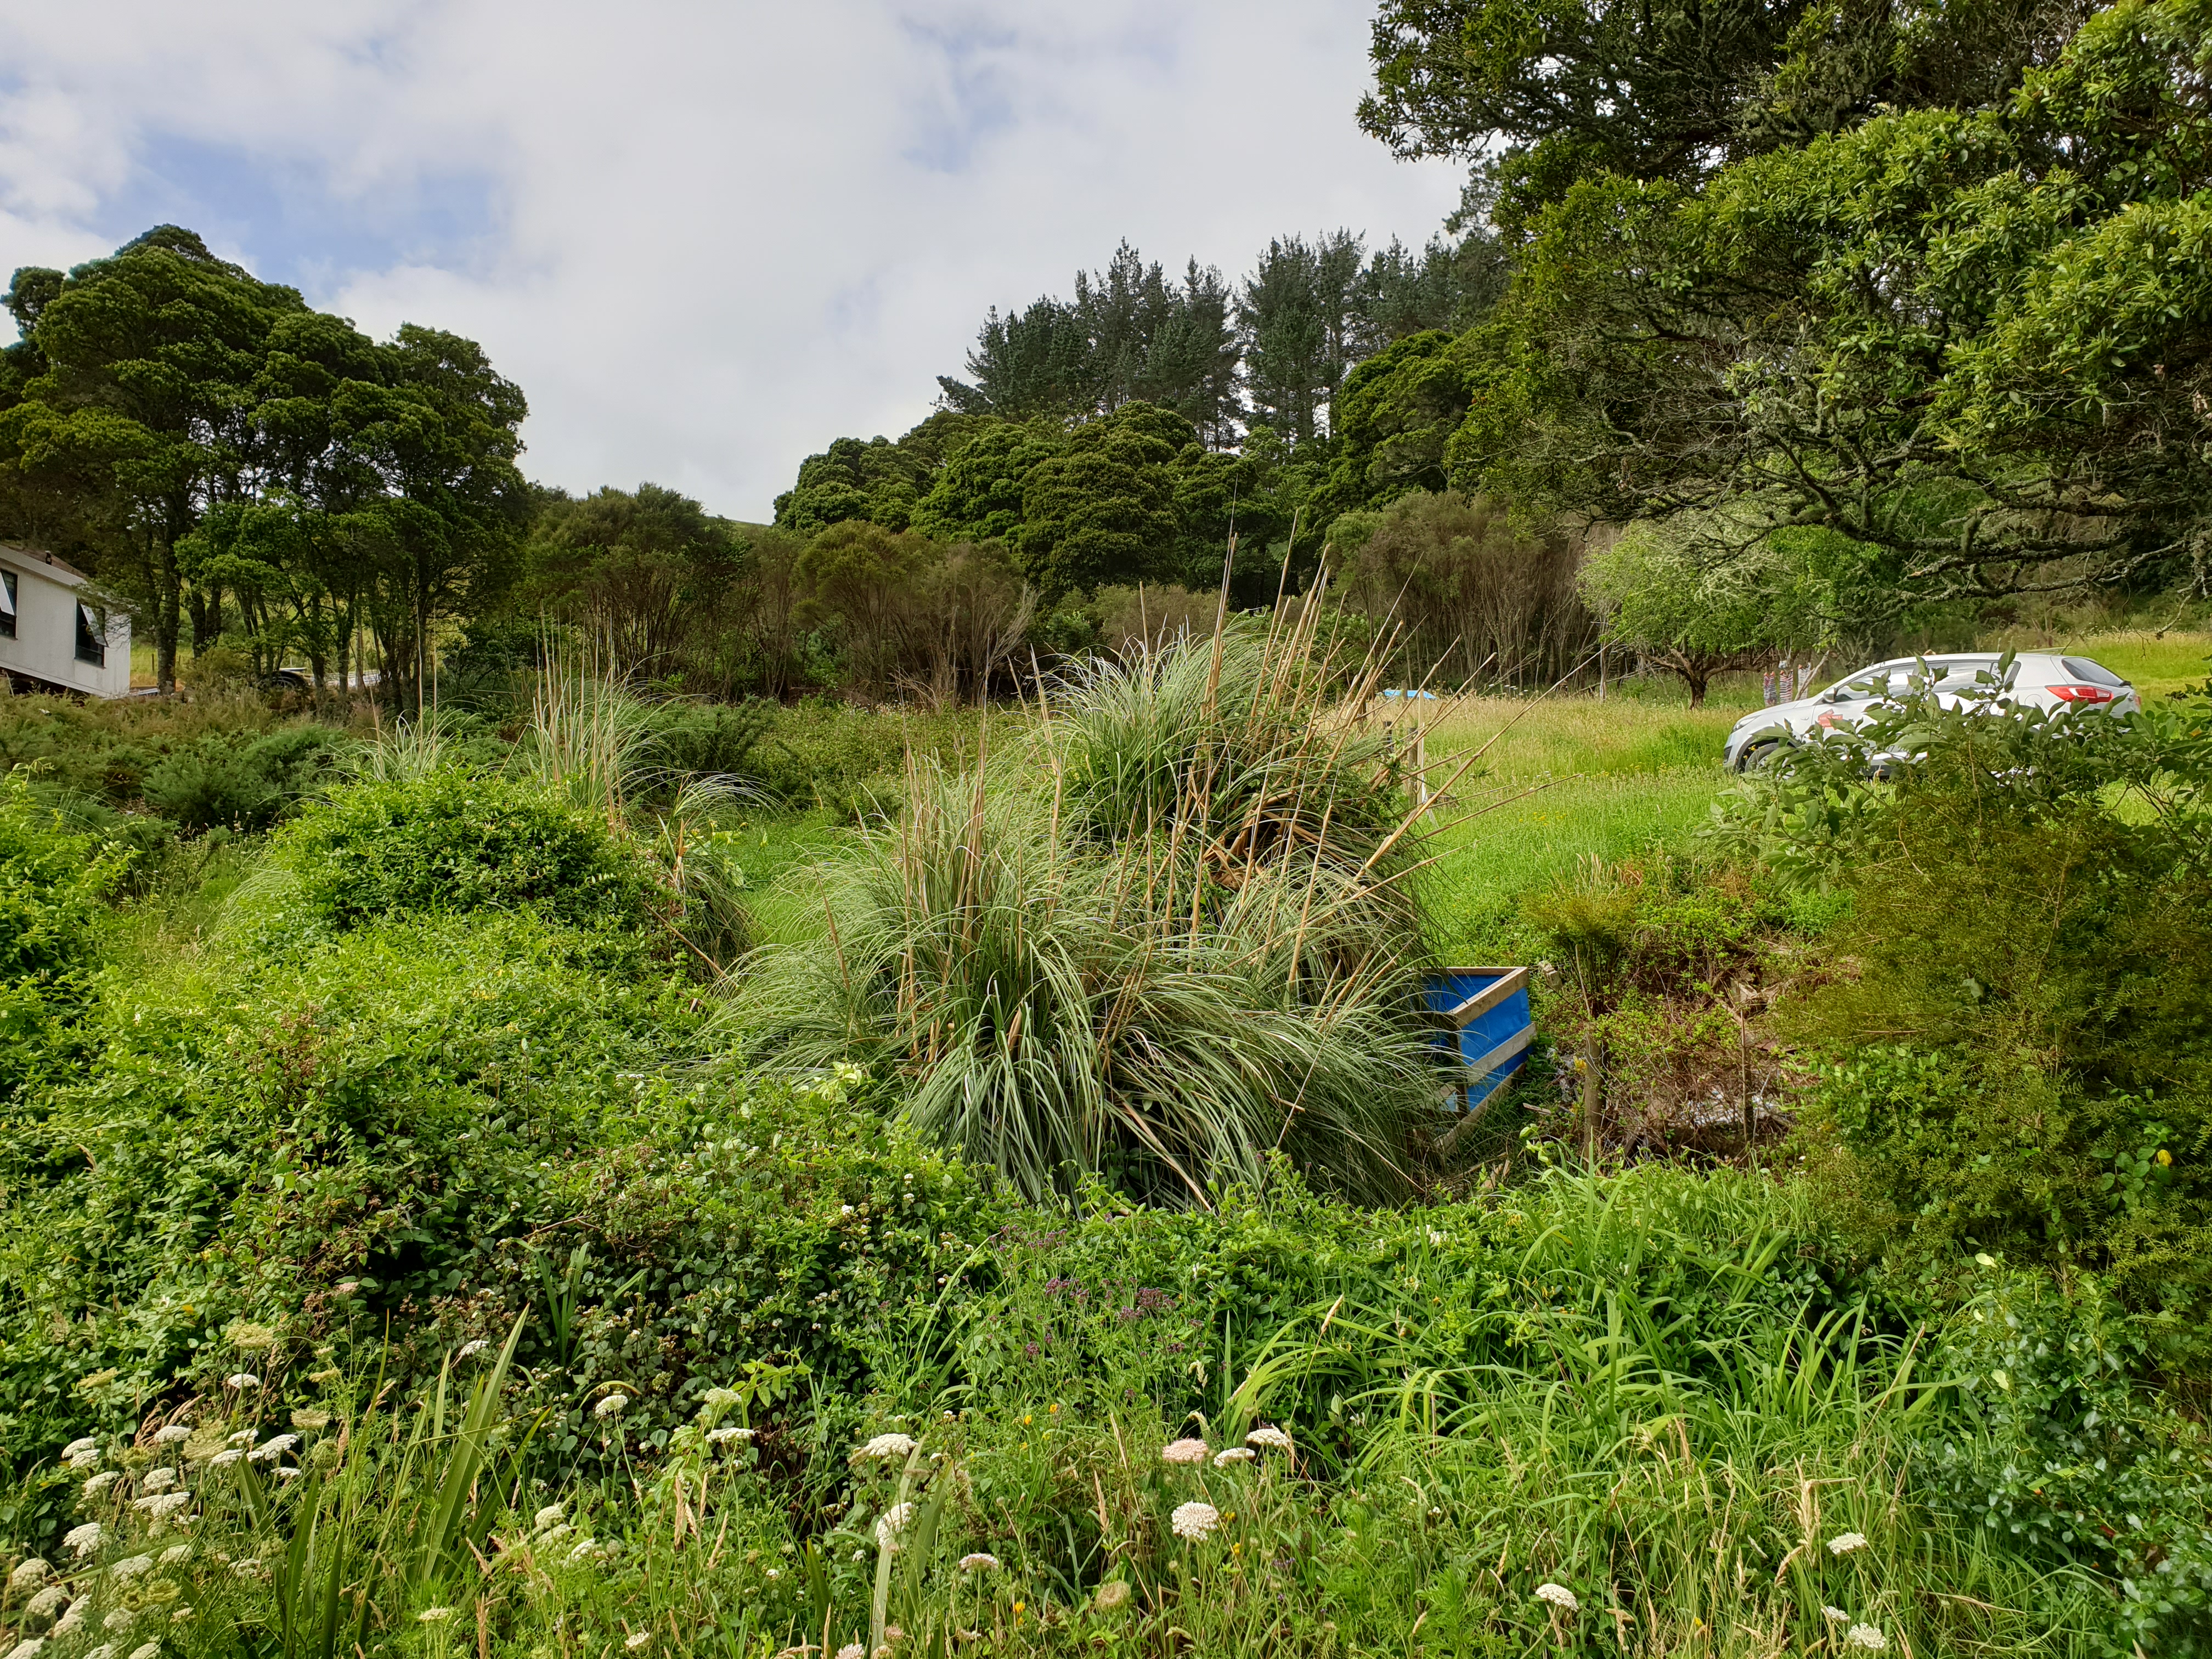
[
  {"x": 454, "y": 841},
  {"x": 2020, "y": 1057},
  {"x": 53, "y": 886}
]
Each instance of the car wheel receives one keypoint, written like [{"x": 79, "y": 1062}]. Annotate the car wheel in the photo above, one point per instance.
[{"x": 1759, "y": 754}]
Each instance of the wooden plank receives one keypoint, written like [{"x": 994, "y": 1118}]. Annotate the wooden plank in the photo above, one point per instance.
[
  {"x": 1489, "y": 996},
  {"x": 1504, "y": 1051}
]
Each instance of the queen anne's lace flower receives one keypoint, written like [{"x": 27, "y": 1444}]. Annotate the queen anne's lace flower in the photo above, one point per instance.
[
  {"x": 720, "y": 1398},
  {"x": 1229, "y": 1455},
  {"x": 891, "y": 1523},
  {"x": 1559, "y": 1595},
  {"x": 1866, "y": 1636},
  {"x": 1185, "y": 1451},
  {"x": 176, "y": 1555},
  {"x": 78, "y": 1447},
  {"x": 172, "y": 1434},
  {"x": 726, "y": 1437},
  {"x": 158, "y": 1481},
  {"x": 159, "y": 1504},
  {"x": 1268, "y": 1438},
  {"x": 84, "y": 1539},
  {"x": 269, "y": 1450},
  {"x": 889, "y": 1445},
  {"x": 131, "y": 1566},
  {"x": 100, "y": 1483},
  {"x": 147, "y": 1650},
  {"x": 582, "y": 1549},
  {"x": 1195, "y": 1521},
  {"x": 1835, "y": 1616},
  {"x": 852, "y": 1651},
  {"x": 28, "y": 1574},
  {"x": 613, "y": 1405},
  {"x": 638, "y": 1638},
  {"x": 433, "y": 1615},
  {"x": 469, "y": 1349},
  {"x": 979, "y": 1562},
  {"x": 224, "y": 1458},
  {"x": 242, "y": 1380},
  {"x": 87, "y": 1459},
  {"x": 243, "y": 1437},
  {"x": 1844, "y": 1543},
  {"x": 546, "y": 1517}
]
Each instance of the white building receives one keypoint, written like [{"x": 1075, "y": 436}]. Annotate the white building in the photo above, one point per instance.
[{"x": 54, "y": 636}]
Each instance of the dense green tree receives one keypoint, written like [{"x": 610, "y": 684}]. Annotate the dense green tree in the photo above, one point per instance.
[
  {"x": 648, "y": 572},
  {"x": 1555, "y": 93},
  {"x": 978, "y": 495},
  {"x": 876, "y": 480},
  {"x": 142, "y": 403},
  {"x": 1103, "y": 510},
  {"x": 1128, "y": 335},
  {"x": 1299, "y": 314},
  {"x": 1970, "y": 343},
  {"x": 1395, "y": 416}
]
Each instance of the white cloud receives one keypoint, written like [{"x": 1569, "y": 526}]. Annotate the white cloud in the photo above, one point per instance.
[{"x": 705, "y": 239}]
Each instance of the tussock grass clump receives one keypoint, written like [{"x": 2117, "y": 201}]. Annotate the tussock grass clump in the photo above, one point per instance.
[{"x": 1161, "y": 943}]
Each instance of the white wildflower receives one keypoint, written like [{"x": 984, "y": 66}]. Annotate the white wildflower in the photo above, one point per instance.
[
  {"x": 979, "y": 1562},
  {"x": 727, "y": 1436},
  {"x": 553, "y": 1534},
  {"x": 84, "y": 1539},
  {"x": 158, "y": 1481},
  {"x": 721, "y": 1399},
  {"x": 892, "y": 1525},
  {"x": 100, "y": 1483},
  {"x": 247, "y": 1568},
  {"x": 852, "y": 1649},
  {"x": 433, "y": 1615},
  {"x": 150, "y": 1650},
  {"x": 106, "y": 1650},
  {"x": 613, "y": 1405},
  {"x": 1867, "y": 1637},
  {"x": 469, "y": 1349},
  {"x": 41, "y": 1608},
  {"x": 223, "y": 1458},
  {"x": 776, "y": 1572},
  {"x": 1269, "y": 1439},
  {"x": 269, "y": 1450},
  {"x": 1185, "y": 1451},
  {"x": 1195, "y": 1521},
  {"x": 131, "y": 1566},
  {"x": 310, "y": 1421},
  {"x": 172, "y": 1434},
  {"x": 1835, "y": 1616},
  {"x": 78, "y": 1447},
  {"x": 1229, "y": 1455},
  {"x": 583, "y": 1549},
  {"x": 546, "y": 1517},
  {"x": 176, "y": 1555},
  {"x": 638, "y": 1638},
  {"x": 889, "y": 1445},
  {"x": 288, "y": 1472},
  {"x": 1844, "y": 1543},
  {"x": 26, "y": 1649},
  {"x": 1559, "y": 1595},
  {"x": 158, "y": 1505},
  {"x": 72, "y": 1621},
  {"x": 89, "y": 1459},
  {"x": 27, "y": 1575},
  {"x": 242, "y": 1380},
  {"x": 119, "y": 1620},
  {"x": 243, "y": 1437}
]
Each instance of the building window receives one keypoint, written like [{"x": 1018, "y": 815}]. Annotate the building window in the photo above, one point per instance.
[
  {"x": 7, "y": 604},
  {"x": 91, "y": 635}
]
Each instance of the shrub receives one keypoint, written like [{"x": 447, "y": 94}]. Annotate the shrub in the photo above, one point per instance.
[
  {"x": 454, "y": 842},
  {"x": 53, "y": 886},
  {"x": 215, "y": 782},
  {"x": 2019, "y": 1058}
]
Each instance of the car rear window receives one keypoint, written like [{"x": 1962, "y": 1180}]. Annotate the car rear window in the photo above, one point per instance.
[{"x": 2095, "y": 673}]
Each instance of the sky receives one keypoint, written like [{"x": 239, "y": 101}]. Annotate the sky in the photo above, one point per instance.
[{"x": 704, "y": 238}]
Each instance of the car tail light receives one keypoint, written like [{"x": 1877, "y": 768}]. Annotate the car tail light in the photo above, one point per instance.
[{"x": 2079, "y": 693}]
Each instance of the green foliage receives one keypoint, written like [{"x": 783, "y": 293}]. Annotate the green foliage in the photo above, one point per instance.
[
  {"x": 53, "y": 886},
  {"x": 452, "y": 842},
  {"x": 217, "y": 782},
  {"x": 2027, "y": 915}
]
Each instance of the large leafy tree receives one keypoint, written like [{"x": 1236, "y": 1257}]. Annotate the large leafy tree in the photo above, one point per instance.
[
  {"x": 1103, "y": 509},
  {"x": 139, "y": 404},
  {"x": 215, "y": 447},
  {"x": 1551, "y": 91},
  {"x": 646, "y": 572},
  {"x": 1974, "y": 342}
]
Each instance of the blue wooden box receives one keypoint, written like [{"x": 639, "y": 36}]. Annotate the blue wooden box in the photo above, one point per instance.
[{"x": 1484, "y": 1016}]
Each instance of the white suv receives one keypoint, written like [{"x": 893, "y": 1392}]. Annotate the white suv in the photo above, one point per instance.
[{"x": 2032, "y": 681}]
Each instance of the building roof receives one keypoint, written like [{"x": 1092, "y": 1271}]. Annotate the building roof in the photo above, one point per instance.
[{"x": 37, "y": 558}]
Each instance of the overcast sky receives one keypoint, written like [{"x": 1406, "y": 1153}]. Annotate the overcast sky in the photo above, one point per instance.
[{"x": 705, "y": 239}]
